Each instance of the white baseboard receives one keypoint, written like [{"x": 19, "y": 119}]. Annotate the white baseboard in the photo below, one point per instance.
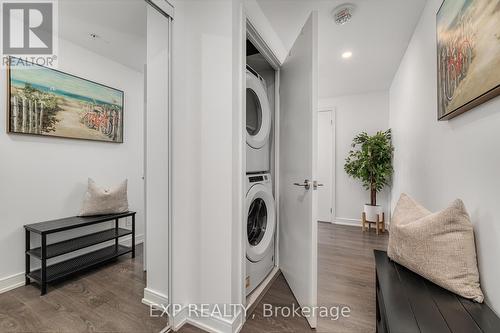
[
  {"x": 127, "y": 240},
  {"x": 346, "y": 221},
  {"x": 214, "y": 324},
  {"x": 180, "y": 319},
  {"x": 255, "y": 295},
  {"x": 17, "y": 280},
  {"x": 11, "y": 282},
  {"x": 154, "y": 299},
  {"x": 217, "y": 324},
  {"x": 158, "y": 301},
  {"x": 355, "y": 222}
]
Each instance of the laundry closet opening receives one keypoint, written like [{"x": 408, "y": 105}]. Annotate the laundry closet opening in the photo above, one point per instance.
[
  {"x": 260, "y": 164},
  {"x": 280, "y": 167}
]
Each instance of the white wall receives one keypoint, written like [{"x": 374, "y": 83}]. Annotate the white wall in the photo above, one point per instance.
[
  {"x": 205, "y": 113},
  {"x": 436, "y": 162},
  {"x": 186, "y": 145},
  {"x": 353, "y": 115},
  {"x": 44, "y": 178},
  {"x": 208, "y": 141}
]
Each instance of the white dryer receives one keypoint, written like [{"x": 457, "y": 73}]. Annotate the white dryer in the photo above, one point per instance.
[
  {"x": 260, "y": 229},
  {"x": 258, "y": 123}
]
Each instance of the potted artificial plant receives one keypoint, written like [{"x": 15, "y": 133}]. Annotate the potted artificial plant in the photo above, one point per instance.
[{"x": 370, "y": 161}]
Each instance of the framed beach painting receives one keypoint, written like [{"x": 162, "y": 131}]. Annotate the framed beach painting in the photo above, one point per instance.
[
  {"x": 48, "y": 102},
  {"x": 468, "y": 52}
]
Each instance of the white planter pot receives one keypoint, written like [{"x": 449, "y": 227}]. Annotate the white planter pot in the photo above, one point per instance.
[{"x": 371, "y": 212}]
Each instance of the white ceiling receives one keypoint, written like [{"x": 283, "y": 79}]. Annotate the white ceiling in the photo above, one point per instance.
[
  {"x": 120, "y": 25},
  {"x": 378, "y": 36}
]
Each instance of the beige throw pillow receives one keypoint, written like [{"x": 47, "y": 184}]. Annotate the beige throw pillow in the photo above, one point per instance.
[
  {"x": 438, "y": 246},
  {"x": 100, "y": 201}
]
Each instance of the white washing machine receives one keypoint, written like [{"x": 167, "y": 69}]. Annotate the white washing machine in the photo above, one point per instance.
[
  {"x": 261, "y": 228},
  {"x": 258, "y": 123}
]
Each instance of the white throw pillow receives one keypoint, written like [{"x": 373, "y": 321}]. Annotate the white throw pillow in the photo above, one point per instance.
[
  {"x": 101, "y": 201},
  {"x": 438, "y": 246}
]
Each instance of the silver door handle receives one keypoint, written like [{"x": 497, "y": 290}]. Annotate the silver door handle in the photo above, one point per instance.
[
  {"x": 316, "y": 185},
  {"x": 306, "y": 184}
]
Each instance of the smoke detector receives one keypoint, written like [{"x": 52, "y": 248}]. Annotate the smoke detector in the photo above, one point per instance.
[{"x": 343, "y": 13}]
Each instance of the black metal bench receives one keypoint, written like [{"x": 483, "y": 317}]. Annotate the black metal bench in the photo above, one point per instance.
[
  {"x": 407, "y": 302},
  {"x": 62, "y": 269}
]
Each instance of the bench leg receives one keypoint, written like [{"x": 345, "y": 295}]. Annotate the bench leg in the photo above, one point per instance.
[
  {"x": 27, "y": 257},
  {"x": 363, "y": 221},
  {"x": 43, "y": 282},
  {"x": 133, "y": 236},
  {"x": 116, "y": 234}
]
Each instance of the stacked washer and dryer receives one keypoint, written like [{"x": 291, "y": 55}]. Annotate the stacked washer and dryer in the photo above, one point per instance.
[{"x": 260, "y": 203}]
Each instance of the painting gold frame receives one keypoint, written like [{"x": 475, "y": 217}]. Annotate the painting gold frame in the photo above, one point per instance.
[{"x": 458, "y": 57}]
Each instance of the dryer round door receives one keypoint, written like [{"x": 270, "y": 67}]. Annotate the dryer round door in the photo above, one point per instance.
[
  {"x": 261, "y": 222},
  {"x": 258, "y": 112}
]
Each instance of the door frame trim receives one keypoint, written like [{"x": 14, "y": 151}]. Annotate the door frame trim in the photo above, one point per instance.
[
  {"x": 165, "y": 8},
  {"x": 260, "y": 44},
  {"x": 333, "y": 184},
  {"x": 250, "y": 32}
]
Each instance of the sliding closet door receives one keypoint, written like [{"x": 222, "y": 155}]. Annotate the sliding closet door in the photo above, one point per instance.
[{"x": 157, "y": 164}]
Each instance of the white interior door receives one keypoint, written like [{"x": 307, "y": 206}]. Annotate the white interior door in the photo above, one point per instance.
[
  {"x": 325, "y": 166},
  {"x": 298, "y": 159}
]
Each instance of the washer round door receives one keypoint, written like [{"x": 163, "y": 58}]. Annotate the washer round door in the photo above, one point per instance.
[
  {"x": 258, "y": 112},
  {"x": 261, "y": 222}
]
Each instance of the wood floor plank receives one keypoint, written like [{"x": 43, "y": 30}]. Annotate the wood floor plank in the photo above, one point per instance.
[
  {"x": 104, "y": 299},
  {"x": 346, "y": 277},
  {"x": 15, "y": 316},
  {"x": 107, "y": 299}
]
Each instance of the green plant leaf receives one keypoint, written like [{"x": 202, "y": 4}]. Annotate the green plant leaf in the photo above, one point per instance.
[{"x": 370, "y": 160}]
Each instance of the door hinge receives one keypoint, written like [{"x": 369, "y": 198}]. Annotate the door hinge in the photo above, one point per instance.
[{"x": 331, "y": 210}]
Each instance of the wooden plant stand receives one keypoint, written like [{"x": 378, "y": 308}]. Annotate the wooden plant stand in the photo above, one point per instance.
[{"x": 379, "y": 224}]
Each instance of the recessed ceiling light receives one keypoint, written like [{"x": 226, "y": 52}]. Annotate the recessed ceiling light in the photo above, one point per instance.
[{"x": 347, "y": 54}]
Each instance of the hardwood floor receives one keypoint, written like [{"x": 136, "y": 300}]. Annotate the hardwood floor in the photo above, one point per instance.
[
  {"x": 107, "y": 299},
  {"x": 346, "y": 277}
]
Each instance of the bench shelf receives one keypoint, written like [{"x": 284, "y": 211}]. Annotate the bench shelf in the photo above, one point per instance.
[
  {"x": 70, "y": 245},
  {"x": 74, "y": 265},
  {"x": 49, "y": 273}
]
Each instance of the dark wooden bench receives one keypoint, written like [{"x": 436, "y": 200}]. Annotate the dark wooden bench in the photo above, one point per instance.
[{"x": 407, "y": 302}]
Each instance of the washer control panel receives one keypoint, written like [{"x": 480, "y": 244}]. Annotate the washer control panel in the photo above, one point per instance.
[{"x": 257, "y": 179}]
